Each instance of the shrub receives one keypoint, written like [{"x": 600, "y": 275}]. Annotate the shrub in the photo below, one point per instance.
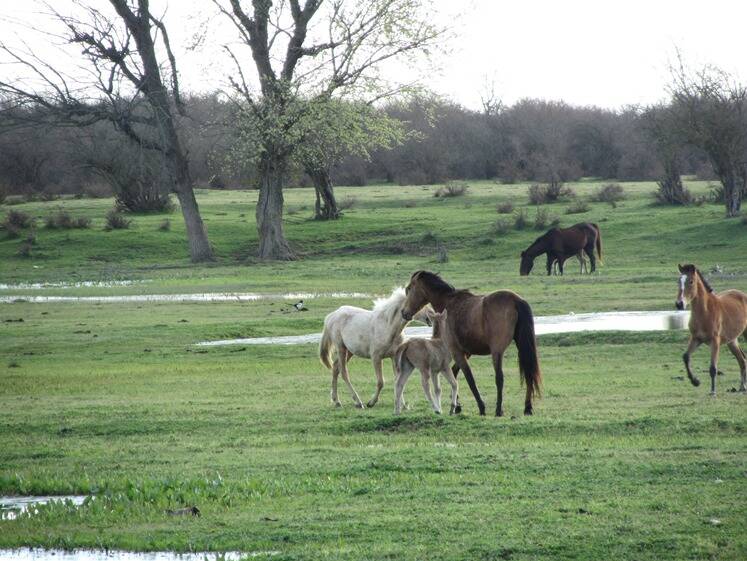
[
  {"x": 441, "y": 254},
  {"x": 97, "y": 191},
  {"x": 429, "y": 237},
  {"x": 501, "y": 227},
  {"x": 541, "y": 218},
  {"x": 61, "y": 220},
  {"x": 24, "y": 250},
  {"x": 15, "y": 200},
  {"x": 18, "y": 220},
  {"x": 217, "y": 182},
  {"x": 550, "y": 193},
  {"x": 521, "y": 220},
  {"x": 31, "y": 238},
  {"x": 577, "y": 207},
  {"x": 115, "y": 220},
  {"x": 504, "y": 208},
  {"x": 610, "y": 193},
  {"x": 164, "y": 226},
  {"x": 347, "y": 203},
  {"x": 452, "y": 189}
]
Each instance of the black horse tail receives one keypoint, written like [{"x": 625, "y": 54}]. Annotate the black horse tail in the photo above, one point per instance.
[
  {"x": 599, "y": 241},
  {"x": 527, "y": 345}
]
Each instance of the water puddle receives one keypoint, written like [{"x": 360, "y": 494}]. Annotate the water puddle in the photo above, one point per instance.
[
  {"x": 11, "y": 507},
  {"x": 544, "y": 325},
  {"x": 196, "y": 297},
  {"x": 39, "y": 554},
  {"x": 79, "y": 284}
]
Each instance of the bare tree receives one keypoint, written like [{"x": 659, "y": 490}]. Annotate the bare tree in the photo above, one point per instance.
[
  {"x": 297, "y": 60},
  {"x": 131, "y": 92},
  {"x": 660, "y": 123},
  {"x": 711, "y": 114}
]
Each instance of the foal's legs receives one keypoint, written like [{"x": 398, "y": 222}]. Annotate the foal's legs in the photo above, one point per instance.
[
  {"x": 395, "y": 374},
  {"x": 343, "y": 357},
  {"x": 436, "y": 389},
  {"x": 739, "y": 355},
  {"x": 691, "y": 346},
  {"x": 455, "y": 373},
  {"x": 399, "y": 386},
  {"x": 715, "y": 345},
  {"x": 379, "y": 381},
  {"x": 461, "y": 361},
  {"x": 425, "y": 373},
  {"x": 498, "y": 367}
]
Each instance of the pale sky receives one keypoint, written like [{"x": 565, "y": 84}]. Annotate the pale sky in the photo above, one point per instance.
[{"x": 584, "y": 52}]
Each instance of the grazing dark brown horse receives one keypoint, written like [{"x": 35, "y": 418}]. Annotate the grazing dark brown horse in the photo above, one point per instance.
[
  {"x": 480, "y": 325},
  {"x": 715, "y": 319},
  {"x": 561, "y": 243}
]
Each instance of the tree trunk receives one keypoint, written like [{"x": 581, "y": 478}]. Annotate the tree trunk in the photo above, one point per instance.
[
  {"x": 326, "y": 204},
  {"x": 199, "y": 246},
  {"x": 272, "y": 242},
  {"x": 734, "y": 184},
  {"x": 671, "y": 190}
]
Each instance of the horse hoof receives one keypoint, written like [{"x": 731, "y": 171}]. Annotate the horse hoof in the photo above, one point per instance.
[
  {"x": 458, "y": 409},
  {"x": 712, "y": 394},
  {"x": 695, "y": 382},
  {"x": 528, "y": 412},
  {"x": 337, "y": 404},
  {"x": 437, "y": 412},
  {"x": 370, "y": 403},
  {"x": 360, "y": 406}
]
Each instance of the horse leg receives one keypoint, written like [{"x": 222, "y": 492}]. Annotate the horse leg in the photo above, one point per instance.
[
  {"x": 436, "y": 389},
  {"x": 713, "y": 371},
  {"x": 454, "y": 391},
  {"x": 560, "y": 265},
  {"x": 581, "y": 261},
  {"x": 550, "y": 259},
  {"x": 379, "y": 381},
  {"x": 343, "y": 358},
  {"x": 455, "y": 373},
  {"x": 692, "y": 345},
  {"x": 395, "y": 374},
  {"x": 424, "y": 375},
  {"x": 590, "y": 253},
  {"x": 335, "y": 375},
  {"x": 739, "y": 355},
  {"x": 498, "y": 367},
  {"x": 461, "y": 360},
  {"x": 399, "y": 386}
]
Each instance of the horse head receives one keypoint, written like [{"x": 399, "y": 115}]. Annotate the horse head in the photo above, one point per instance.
[{"x": 527, "y": 263}]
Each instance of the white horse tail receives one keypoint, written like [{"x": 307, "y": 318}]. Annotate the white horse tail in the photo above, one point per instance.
[{"x": 325, "y": 348}]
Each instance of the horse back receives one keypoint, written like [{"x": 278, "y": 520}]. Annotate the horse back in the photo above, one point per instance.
[
  {"x": 478, "y": 323},
  {"x": 733, "y": 305}
]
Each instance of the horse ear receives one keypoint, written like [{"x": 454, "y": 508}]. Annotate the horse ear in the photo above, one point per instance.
[
  {"x": 682, "y": 270},
  {"x": 444, "y": 314},
  {"x": 523, "y": 253}
]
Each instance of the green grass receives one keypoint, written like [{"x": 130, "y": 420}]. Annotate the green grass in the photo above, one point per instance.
[{"x": 623, "y": 459}]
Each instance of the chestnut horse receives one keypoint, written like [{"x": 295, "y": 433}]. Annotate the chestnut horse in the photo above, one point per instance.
[
  {"x": 715, "y": 319},
  {"x": 561, "y": 243},
  {"x": 480, "y": 325}
]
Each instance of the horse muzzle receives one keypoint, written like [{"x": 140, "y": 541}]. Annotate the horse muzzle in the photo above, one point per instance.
[
  {"x": 680, "y": 305},
  {"x": 406, "y": 315}
]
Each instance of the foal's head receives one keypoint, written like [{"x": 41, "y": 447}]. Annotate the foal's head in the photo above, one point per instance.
[
  {"x": 689, "y": 283},
  {"x": 439, "y": 323}
]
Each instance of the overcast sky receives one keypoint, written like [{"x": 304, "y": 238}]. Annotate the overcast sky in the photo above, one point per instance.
[{"x": 585, "y": 52}]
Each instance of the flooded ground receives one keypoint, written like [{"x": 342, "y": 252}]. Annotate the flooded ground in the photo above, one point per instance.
[
  {"x": 196, "y": 297},
  {"x": 78, "y": 284},
  {"x": 544, "y": 325},
  {"x": 39, "y": 554},
  {"x": 11, "y": 507}
]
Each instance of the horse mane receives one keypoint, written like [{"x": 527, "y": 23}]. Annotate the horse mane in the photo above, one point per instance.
[
  {"x": 536, "y": 242},
  {"x": 393, "y": 301},
  {"x": 702, "y": 279},
  {"x": 434, "y": 282}
]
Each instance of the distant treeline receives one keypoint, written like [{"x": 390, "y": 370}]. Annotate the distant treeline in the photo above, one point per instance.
[{"x": 532, "y": 140}]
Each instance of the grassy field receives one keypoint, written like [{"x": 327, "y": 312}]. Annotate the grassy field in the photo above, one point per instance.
[{"x": 623, "y": 459}]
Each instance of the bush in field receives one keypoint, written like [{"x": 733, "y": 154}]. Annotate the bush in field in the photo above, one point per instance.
[
  {"x": 347, "y": 203},
  {"x": 550, "y": 193},
  {"x": 441, "y": 254},
  {"x": 521, "y": 220},
  {"x": 504, "y": 208},
  {"x": 610, "y": 193},
  {"x": 62, "y": 220},
  {"x": 501, "y": 227},
  {"x": 577, "y": 207},
  {"x": 452, "y": 189},
  {"x": 164, "y": 226},
  {"x": 115, "y": 220},
  {"x": 543, "y": 219},
  {"x": 24, "y": 250},
  {"x": 18, "y": 219}
]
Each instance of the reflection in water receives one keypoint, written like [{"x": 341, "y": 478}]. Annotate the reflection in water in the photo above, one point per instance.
[
  {"x": 39, "y": 554},
  {"x": 11, "y": 507},
  {"x": 544, "y": 325},
  {"x": 197, "y": 297}
]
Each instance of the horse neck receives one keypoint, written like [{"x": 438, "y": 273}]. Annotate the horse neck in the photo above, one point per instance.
[
  {"x": 537, "y": 248},
  {"x": 703, "y": 300},
  {"x": 438, "y": 300}
]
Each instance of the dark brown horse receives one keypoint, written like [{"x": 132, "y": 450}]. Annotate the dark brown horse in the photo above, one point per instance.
[
  {"x": 480, "y": 325},
  {"x": 561, "y": 243}
]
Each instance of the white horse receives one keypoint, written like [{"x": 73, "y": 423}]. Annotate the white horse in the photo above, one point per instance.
[{"x": 350, "y": 331}]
